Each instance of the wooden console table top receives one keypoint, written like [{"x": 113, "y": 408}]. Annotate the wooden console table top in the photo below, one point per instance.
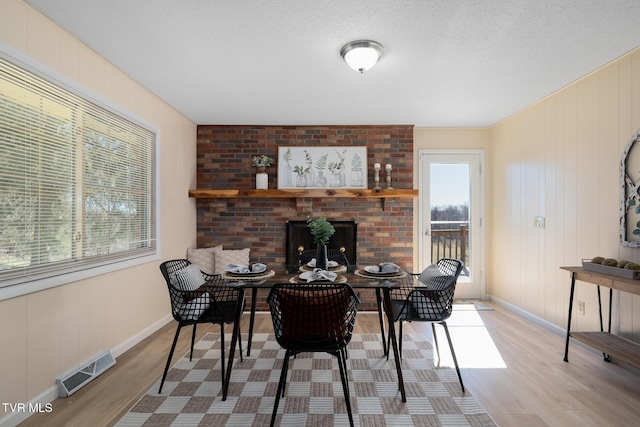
[{"x": 608, "y": 281}]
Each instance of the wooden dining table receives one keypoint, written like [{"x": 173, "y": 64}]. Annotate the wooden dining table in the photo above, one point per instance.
[{"x": 358, "y": 280}]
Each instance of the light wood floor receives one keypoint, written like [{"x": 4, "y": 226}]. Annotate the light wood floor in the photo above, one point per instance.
[{"x": 513, "y": 367}]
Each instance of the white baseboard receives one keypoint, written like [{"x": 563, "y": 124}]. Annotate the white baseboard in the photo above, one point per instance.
[
  {"x": 530, "y": 317},
  {"x": 12, "y": 419},
  {"x": 41, "y": 401},
  {"x": 556, "y": 330},
  {"x": 137, "y": 338}
]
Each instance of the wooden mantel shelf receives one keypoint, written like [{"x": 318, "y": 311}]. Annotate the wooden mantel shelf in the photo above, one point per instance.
[{"x": 228, "y": 193}]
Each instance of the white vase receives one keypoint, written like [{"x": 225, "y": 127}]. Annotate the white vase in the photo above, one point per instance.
[{"x": 262, "y": 181}]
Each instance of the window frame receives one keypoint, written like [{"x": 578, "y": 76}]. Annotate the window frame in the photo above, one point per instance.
[{"x": 44, "y": 281}]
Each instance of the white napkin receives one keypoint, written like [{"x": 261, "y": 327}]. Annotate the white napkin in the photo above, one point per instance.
[
  {"x": 330, "y": 264},
  {"x": 246, "y": 269},
  {"x": 318, "y": 274},
  {"x": 388, "y": 267}
]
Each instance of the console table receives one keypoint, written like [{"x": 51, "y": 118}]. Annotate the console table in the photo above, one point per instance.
[{"x": 611, "y": 345}]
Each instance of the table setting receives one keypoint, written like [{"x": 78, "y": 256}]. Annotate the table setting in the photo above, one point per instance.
[
  {"x": 247, "y": 272},
  {"x": 318, "y": 276},
  {"x": 384, "y": 270},
  {"x": 332, "y": 266}
]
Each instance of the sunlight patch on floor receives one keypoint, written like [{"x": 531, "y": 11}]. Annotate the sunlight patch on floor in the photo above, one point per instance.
[{"x": 471, "y": 341}]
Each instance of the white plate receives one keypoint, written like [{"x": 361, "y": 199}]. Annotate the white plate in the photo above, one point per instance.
[
  {"x": 375, "y": 269},
  {"x": 330, "y": 264},
  {"x": 256, "y": 270}
]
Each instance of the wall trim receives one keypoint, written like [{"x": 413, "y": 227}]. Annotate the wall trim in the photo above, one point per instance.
[{"x": 51, "y": 393}]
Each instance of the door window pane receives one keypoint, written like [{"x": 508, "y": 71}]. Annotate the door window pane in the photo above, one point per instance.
[{"x": 450, "y": 221}]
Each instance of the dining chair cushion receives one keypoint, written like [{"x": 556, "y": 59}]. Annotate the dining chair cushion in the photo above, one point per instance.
[
  {"x": 204, "y": 257},
  {"x": 432, "y": 276},
  {"x": 322, "y": 316},
  {"x": 224, "y": 257},
  {"x": 189, "y": 278}
]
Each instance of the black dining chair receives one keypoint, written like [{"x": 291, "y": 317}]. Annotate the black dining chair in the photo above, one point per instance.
[
  {"x": 198, "y": 297},
  {"x": 430, "y": 301},
  {"x": 313, "y": 318}
]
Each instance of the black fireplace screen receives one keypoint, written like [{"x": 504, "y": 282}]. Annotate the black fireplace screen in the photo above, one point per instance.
[{"x": 299, "y": 238}]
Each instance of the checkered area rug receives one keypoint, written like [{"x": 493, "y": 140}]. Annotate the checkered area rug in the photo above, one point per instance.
[{"x": 192, "y": 394}]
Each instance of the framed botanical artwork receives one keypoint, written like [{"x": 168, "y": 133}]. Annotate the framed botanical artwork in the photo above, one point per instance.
[
  {"x": 322, "y": 167},
  {"x": 630, "y": 193}
]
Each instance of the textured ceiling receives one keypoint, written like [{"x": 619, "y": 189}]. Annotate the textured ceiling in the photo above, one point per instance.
[{"x": 446, "y": 62}]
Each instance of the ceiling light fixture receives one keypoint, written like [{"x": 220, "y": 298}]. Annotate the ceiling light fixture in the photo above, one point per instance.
[{"x": 362, "y": 55}]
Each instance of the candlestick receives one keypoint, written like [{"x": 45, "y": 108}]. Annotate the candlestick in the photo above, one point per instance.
[
  {"x": 376, "y": 168},
  {"x": 388, "y": 168}
]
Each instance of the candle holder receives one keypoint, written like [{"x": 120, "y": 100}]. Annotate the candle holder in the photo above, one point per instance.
[
  {"x": 376, "y": 168},
  {"x": 388, "y": 169}
]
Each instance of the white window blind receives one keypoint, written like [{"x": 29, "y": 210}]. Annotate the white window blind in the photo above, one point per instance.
[{"x": 77, "y": 181}]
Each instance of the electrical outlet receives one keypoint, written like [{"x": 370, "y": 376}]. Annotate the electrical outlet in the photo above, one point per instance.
[
  {"x": 581, "y": 307},
  {"x": 538, "y": 221}
]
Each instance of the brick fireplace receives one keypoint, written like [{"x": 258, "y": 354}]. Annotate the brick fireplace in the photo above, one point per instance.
[{"x": 224, "y": 156}]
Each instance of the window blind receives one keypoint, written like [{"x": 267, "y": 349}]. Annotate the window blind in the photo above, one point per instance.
[{"x": 77, "y": 181}]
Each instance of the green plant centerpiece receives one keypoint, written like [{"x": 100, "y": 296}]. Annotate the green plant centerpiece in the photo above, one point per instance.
[{"x": 321, "y": 230}]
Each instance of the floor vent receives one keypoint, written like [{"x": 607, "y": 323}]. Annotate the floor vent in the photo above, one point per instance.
[{"x": 74, "y": 380}]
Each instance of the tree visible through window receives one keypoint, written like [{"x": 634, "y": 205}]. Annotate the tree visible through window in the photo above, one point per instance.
[{"x": 76, "y": 181}]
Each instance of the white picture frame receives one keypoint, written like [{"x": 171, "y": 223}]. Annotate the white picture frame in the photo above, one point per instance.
[{"x": 322, "y": 167}]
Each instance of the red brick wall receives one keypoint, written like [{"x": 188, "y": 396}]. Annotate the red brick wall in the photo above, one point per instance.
[{"x": 224, "y": 155}]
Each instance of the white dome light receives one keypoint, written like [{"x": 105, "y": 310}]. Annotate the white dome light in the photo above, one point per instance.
[{"x": 362, "y": 55}]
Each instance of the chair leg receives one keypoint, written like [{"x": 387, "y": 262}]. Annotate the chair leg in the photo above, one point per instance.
[
  {"x": 435, "y": 341},
  {"x": 240, "y": 342},
  {"x": 391, "y": 325},
  {"x": 453, "y": 353},
  {"x": 193, "y": 340},
  {"x": 173, "y": 347},
  {"x": 400, "y": 340},
  {"x": 342, "y": 366},
  {"x": 385, "y": 347},
  {"x": 283, "y": 379},
  {"x": 388, "y": 341},
  {"x": 286, "y": 372},
  {"x": 222, "y": 352}
]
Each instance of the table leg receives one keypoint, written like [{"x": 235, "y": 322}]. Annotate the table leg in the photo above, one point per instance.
[
  {"x": 610, "y": 307},
  {"x": 573, "y": 287},
  {"x": 394, "y": 342},
  {"x": 252, "y": 317},
  {"x": 384, "y": 339},
  {"x": 234, "y": 340}
]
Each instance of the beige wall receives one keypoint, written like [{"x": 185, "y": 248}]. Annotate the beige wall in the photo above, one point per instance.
[
  {"x": 47, "y": 333},
  {"x": 448, "y": 139},
  {"x": 559, "y": 158}
]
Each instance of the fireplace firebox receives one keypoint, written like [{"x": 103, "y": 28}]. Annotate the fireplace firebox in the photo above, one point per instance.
[{"x": 299, "y": 239}]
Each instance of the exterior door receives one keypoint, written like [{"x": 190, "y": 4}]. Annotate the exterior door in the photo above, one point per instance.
[{"x": 451, "y": 210}]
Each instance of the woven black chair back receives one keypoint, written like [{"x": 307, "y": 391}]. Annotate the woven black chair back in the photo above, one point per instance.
[
  {"x": 313, "y": 317},
  {"x": 212, "y": 302},
  {"x": 432, "y": 299}
]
